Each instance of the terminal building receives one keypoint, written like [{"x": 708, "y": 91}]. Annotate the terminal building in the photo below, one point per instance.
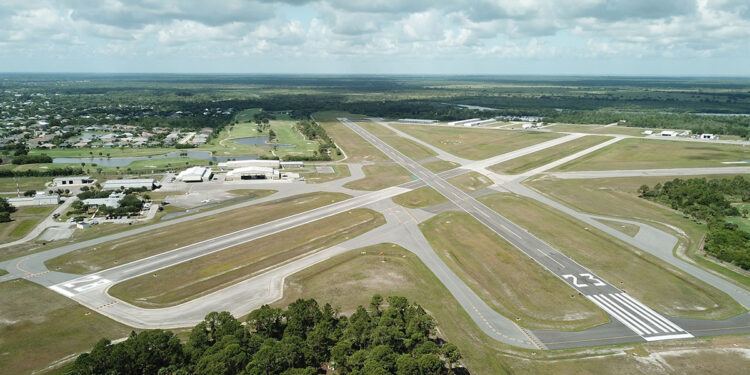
[
  {"x": 112, "y": 201},
  {"x": 196, "y": 174},
  {"x": 40, "y": 199},
  {"x": 133, "y": 183}
]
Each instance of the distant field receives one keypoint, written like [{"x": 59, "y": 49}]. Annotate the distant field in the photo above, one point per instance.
[
  {"x": 408, "y": 147},
  {"x": 24, "y": 220},
  {"x": 546, "y": 156},
  {"x": 471, "y": 181},
  {"x": 128, "y": 249},
  {"x": 380, "y": 176},
  {"x": 39, "y": 327},
  {"x": 8, "y": 184},
  {"x": 356, "y": 148},
  {"x": 618, "y": 197},
  {"x": 212, "y": 272},
  {"x": 339, "y": 171},
  {"x": 507, "y": 279},
  {"x": 475, "y": 144},
  {"x": 633, "y": 153},
  {"x": 422, "y": 197},
  {"x": 655, "y": 283},
  {"x": 438, "y": 166}
]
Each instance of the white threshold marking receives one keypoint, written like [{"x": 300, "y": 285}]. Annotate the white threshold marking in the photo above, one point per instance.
[
  {"x": 62, "y": 291},
  {"x": 642, "y": 320}
]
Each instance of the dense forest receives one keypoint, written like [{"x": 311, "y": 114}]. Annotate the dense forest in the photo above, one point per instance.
[
  {"x": 389, "y": 337},
  {"x": 711, "y": 201}
]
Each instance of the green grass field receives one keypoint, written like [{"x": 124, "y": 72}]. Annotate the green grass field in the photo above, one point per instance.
[
  {"x": 627, "y": 228},
  {"x": 128, "y": 249},
  {"x": 38, "y": 327},
  {"x": 380, "y": 176},
  {"x": 546, "y": 156},
  {"x": 339, "y": 171},
  {"x": 350, "y": 279},
  {"x": 655, "y": 283},
  {"x": 357, "y": 150},
  {"x": 618, "y": 197},
  {"x": 475, "y": 144},
  {"x": 212, "y": 272},
  {"x": 422, "y": 197},
  {"x": 3, "y": 272},
  {"x": 438, "y": 166},
  {"x": 471, "y": 181},
  {"x": 507, "y": 279},
  {"x": 24, "y": 220},
  {"x": 600, "y": 129},
  {"x": 633, "y": 153},
  {"x": 8, "y": 184}
]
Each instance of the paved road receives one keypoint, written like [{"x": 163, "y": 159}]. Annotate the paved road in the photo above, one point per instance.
[
  {"x": 48, "y": 222},
  {"x": 650, "y": 172},
  {"x": 643, "y": 321}
]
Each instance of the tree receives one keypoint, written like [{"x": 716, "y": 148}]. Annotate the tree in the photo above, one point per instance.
[
  {"x": 451, "y": 354},
  {"x": 5, "y": 206},
  {"x": 29, "y": 193}
]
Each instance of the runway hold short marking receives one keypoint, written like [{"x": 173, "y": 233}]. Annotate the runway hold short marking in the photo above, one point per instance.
[
  {"x": 645, "y": 322},
  {"x": 80, "y": 285}
]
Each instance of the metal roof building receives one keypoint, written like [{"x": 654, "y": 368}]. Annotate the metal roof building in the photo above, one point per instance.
[
  {"x": 134, "y": 183},
  {"x": 195, "y": 174},
  {"x": 40, "y": 199}
]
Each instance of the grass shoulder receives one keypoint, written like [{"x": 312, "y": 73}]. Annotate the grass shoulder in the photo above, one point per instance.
[
  {"x": 418, "y": 198},
  {"x": 380, "y": 176}
]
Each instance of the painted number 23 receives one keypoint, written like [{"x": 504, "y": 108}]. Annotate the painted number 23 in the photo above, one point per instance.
[{"x": 590, "y": 280}]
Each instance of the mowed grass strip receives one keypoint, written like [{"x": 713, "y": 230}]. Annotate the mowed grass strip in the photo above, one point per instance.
[
  {"x": 380, "y": 176},
  {"x": 636, "y": 153},
  {"x": 471, "y": 181},
  {"x": 356, "y": 148},
  {"x": 437, "y": 166},
  {"x": 39, "y": 327},
  {"x": 548, "y": 155},
  {"x": 422, "y": 197},
  {"x": 375, "y": 128},
  {"x": 128, "y": 249},
  {"x": 655, "y": 283},
  {"x": 618, "y": 197},
  {"x": 339, "y": 171},
  {"x": 215, "y": 271},
  {"x": 408, "y": 147},
  {"x": 627, "y": 228},
  {"x": 507, "y": 279},
  {"x": 475, "y": 144}
]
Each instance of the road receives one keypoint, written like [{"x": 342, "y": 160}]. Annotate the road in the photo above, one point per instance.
[{"x": 643, "y": 321}]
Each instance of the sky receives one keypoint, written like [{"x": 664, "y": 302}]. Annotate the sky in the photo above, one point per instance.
[{"x": 503, "y": 37}]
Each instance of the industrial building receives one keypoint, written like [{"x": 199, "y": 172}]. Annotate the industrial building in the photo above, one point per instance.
[
  {"x": 669, "y": 133},
  {"x": 72, "y": 181},
  {"x": 253, "y": 173},
  {"x": 40, "y": 199},
  {"x": 112, "y": 201},
  {"x": 417, "y": 121},
  {"x": 135, "y": 183},
  {"x": 196, "y": 174},
  {"x": 473, "y": 122}
]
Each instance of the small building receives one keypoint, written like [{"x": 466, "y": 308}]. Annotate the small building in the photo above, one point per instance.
[
  {"x": 528, "y": 125},
  {"x": 709, "y": 136},
  {"x": 252, "y": 173},
  {"x": 196, "y": 174},
  {"x": 72, "y": 180},
  {"x": 134, "y": 183},
  {"x": 648, "y": 132},
  {"x": 251, "y": 163},
  {"x": 40, "y": 199},
  {"x": 113, "y": 200},
  {"x": 668, "y": 133}
]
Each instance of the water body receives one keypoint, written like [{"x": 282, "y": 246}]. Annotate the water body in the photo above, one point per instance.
[
  {"x": 258, "y": 141},
  {"x": 125, "y": 161}
]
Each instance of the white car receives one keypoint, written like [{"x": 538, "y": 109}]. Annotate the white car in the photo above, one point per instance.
[{"x": 205, "y": 201}]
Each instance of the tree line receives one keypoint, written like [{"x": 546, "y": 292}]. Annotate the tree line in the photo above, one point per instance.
[
  {"x": 710, "y": 201},
  {"x": 396, "y": 337}
]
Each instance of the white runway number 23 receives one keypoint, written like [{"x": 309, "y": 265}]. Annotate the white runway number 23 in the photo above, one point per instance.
[{"x": 587, "y": 279}]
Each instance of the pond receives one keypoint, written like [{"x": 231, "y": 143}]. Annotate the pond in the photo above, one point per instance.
[
  {"x": 258, "y": 141},
  {"x": 125, "y": 161}
]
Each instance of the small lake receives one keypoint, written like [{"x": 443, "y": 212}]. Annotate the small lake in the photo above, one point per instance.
[
  {"x": 125, "y": 161},
  {"x": 258, "y": 141}
]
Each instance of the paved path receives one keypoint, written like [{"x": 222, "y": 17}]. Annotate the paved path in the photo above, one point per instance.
[{"x": 48, "y": 222}]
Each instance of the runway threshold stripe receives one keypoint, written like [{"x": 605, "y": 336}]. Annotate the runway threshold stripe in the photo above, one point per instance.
[
  {"x": 648, "y": 315},
  {"x": 62, "y": 291},
  {"x": 624, "y": 320},
  {"x": 669, "y": 337},
  {"x": 663, "y": 319},
  {"x": 643, "y": 325}
]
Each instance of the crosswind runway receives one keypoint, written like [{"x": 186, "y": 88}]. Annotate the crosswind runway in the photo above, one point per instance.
[{"x": 643, "y": 321}]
